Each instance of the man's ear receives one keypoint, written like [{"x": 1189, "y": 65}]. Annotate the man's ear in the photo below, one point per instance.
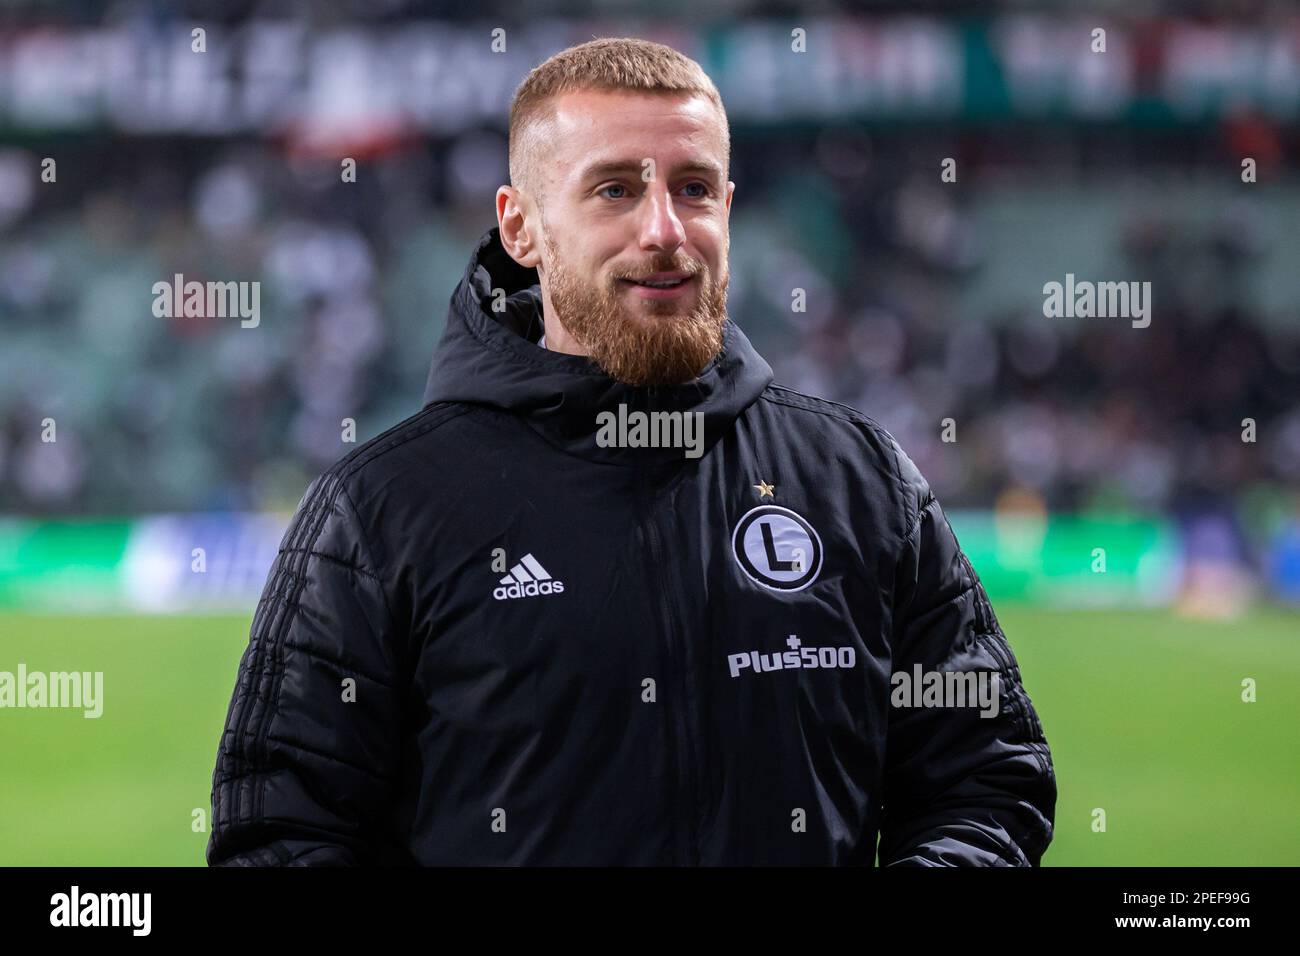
[
  {"x": 518, "y": 236},
  {"x": 731, "y": 189}
]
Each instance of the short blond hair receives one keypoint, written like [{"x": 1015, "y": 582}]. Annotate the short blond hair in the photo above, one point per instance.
[{"x": 608, "y": 64}]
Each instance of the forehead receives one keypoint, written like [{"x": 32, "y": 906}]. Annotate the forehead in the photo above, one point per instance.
[{"x": 592, "y": 125}]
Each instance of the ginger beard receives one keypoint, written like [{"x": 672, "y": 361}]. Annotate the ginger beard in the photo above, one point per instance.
[{"x": 641, "y": 341}]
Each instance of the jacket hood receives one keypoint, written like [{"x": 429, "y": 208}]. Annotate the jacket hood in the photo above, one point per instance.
[{"x": 491, "y": 358}]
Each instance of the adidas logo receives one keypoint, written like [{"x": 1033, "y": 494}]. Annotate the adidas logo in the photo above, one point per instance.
[{"x": 527, "y": 579}]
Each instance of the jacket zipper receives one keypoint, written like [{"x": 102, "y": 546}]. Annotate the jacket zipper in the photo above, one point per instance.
[{"x": 687, "y": 848}]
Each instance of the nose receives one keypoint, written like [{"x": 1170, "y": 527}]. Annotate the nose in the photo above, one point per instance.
[{"x": 661, "y": 230}]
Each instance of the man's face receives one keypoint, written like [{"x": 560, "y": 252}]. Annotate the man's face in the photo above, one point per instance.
[{"x": 634, "y": 190}]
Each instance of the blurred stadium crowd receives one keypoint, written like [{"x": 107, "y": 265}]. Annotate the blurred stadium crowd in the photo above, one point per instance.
[{"x": 200, "y": 413}]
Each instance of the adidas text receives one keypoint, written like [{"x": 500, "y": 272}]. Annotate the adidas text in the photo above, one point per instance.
[{"x": 527, "y": 579}]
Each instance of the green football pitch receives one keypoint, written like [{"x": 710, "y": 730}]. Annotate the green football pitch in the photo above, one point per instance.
[{"x": 1143, "y": 711}]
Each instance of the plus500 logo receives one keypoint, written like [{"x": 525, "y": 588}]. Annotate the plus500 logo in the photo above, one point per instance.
[{"x": 798, "y": 658}]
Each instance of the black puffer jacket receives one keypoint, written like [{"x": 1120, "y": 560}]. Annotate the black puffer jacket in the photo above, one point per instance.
[{"x": 489, "y": 638}]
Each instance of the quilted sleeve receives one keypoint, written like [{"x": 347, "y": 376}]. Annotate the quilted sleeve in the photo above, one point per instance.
[
  {"x": 306, "y": 763},
  {"x": 966, "y": 785}
]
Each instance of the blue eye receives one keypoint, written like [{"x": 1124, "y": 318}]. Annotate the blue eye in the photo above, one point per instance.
[
  {"x": 613, "y": 186},
  {"x": 702, "y": 186}
]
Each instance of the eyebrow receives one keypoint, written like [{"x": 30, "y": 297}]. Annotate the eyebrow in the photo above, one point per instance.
[{"x": 602, "y": 168}]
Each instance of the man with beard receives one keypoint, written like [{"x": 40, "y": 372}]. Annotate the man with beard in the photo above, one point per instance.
[{"x": 489, "y": 638}]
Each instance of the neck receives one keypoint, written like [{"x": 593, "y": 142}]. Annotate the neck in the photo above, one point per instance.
[{"x": 558, "y": 338}]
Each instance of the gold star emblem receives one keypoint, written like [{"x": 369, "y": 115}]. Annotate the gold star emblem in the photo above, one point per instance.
[{"x": 764, "y": 489}]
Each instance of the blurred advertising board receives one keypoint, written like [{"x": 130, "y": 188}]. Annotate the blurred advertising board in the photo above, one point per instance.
[{"x": 219, "y": 561}]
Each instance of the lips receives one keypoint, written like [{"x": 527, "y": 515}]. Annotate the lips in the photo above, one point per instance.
[
  {"x": 661, "y": 280},
  {"x": 660, "y": 286}
]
